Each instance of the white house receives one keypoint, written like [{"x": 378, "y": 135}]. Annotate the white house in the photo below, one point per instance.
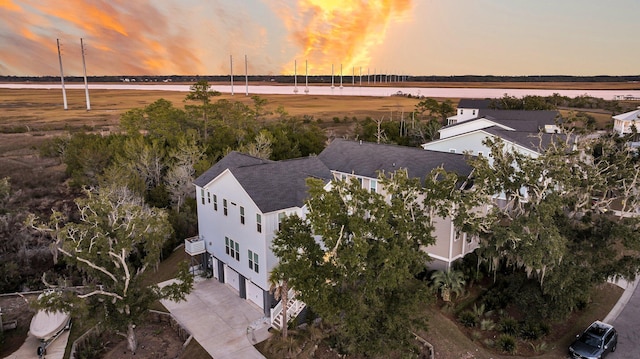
[
  {"x": 623, "y": 123},
  {"x": 468, "y": 109},
  {"x": 524, "y": 131},
  {"x": 241, "y": 200}
]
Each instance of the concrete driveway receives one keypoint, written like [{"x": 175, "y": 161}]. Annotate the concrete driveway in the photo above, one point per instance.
[{"x": 224, "y": 324}]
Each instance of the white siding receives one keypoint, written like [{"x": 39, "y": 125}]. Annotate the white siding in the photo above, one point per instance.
[
  {"x": 214, "y": 226},
  {"x": 472, "y": 142}
]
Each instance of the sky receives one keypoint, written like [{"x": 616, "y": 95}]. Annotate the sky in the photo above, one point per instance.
[{"x": 283, "y": 37}]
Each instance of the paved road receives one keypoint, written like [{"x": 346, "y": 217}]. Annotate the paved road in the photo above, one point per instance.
[{"x": 628, "y": 325}]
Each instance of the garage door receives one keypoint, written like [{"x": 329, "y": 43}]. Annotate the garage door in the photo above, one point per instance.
[
  {"x": 255, "y": 294},
  {"x": 231, "y": 278}
]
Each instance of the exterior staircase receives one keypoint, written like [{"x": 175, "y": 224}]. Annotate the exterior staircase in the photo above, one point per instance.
[{"x": 294, "y": 307}]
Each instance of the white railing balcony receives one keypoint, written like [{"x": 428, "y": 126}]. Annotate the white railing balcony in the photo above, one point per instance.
[{"x": 194, "y": 246}]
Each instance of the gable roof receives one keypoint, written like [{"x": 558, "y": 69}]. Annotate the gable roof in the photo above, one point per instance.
[
  {"x": 272, "y": 185},
  {"x": 366, "y": 159},
  {"x": 474, "y": 103},
  {"x": 629, "y": 116},
  {"x": 281, "y": 184},
  {"x": 275, "y": 185},
  {"x": 232, "y": 160},
  {"x": 519, "y": 120}
]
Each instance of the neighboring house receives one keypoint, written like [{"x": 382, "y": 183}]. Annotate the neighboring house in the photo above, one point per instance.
[
  {"x": 468, "y": 109},
  {"x": 524, "y": 131},
  {"x": 242, "y": 199},
  {"x": 623, "y": 123}
]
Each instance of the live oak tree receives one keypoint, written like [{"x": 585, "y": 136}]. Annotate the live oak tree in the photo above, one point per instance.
[
  {"x": 114, "y": 241},
  {"x": 359, "y": 273},
  {"x": 559, "y": 217}
]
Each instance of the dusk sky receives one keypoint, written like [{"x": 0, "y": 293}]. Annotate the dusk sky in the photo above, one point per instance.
[{"x": 419, "y": 37}]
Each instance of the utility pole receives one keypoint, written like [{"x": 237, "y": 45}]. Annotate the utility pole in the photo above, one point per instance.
[
  {"x": 84, "y": 69},
  {"x": 64, "y": 92},
  {"x": 246, "y": 76},
  {"x": 231, "y": 65},
  {"x": 306, "y": 76},
  {"x": 295, "y": 76}
]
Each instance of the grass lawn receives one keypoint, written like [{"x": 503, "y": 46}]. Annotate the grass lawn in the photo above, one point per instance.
[{"x": 451, "y": 342}]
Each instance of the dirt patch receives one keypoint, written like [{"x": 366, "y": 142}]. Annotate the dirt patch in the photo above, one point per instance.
[{"x": 155, "y": 340}]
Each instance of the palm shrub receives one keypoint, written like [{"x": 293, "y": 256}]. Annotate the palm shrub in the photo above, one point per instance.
[
  {"x": 507, "y": 343},
  {"x": 487, "y": 324},
  {"x": 508, "y": 325},
  {"x": 468, "y": 318},
  {"x": 448, "y": 282}
]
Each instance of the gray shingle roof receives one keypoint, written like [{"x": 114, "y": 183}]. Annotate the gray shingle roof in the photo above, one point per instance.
[
  {"x": 519, "y": 120},
  {"x": 232, "y": 160},
  {"x": 366, "y": 159},
  {"x": 282, "y": 184},
  {"x": 275, "y": 185},
  {"x": 474, "y": 103},
  {"x": 528, "y": 121}
]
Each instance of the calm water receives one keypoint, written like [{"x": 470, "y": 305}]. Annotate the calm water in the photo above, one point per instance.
[{"x": 347, "y": 90}]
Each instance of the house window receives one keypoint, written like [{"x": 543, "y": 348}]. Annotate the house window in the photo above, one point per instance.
[
  {"x": 280, "y": 218},
  {"x": 253, "y": 261},
  {"x": 343, "y": 177},
  {"x": 373, "y": 184},
  {"x": 215, "y": 202},
  {"x": 258, "y": 222},
  {"x": 202, "y": 194},
  {"x": 474, "y": 112},
  {"x": 225, "y": 207},
  {"x": 241, "y": 214},
  {"x": 461, "y": 112},
  {"x": 232, "y": 248},
  {"x": 208, "y": 197},
  {"x": 452, "y": 150},
  {"x": 480, "y": 153}
]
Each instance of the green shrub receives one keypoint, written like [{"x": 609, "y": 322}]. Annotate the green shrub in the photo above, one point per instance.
[
  {"x": 487, "y": 324},
  {"x": 468, "y": 318},
  {"x": 507, "y": 344},
  {"x": 530, "y": 330},
  {"x": 508, "y": 325}
]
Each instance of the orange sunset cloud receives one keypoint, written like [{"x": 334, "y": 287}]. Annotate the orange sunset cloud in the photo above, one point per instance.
[{"x": 341, "y": 32}]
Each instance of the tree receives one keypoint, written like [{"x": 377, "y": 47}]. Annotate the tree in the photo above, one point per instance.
[
  {"x": 447, "y": 282},
  {"x": 437, "y": 110},
  {"x": 116, "y": 239},
  {"x": 554, "y": 217},
  {"x": 360, "y": 274},
  {"x": 180, "y": 176},
  {"x": 280, "y": 289},
  {"x": 201, "y": 91},
  {"x": 261, "y": 148}
]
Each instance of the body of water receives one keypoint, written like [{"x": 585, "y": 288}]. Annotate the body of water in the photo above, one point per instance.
[{"x": 350, "y": 90}]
